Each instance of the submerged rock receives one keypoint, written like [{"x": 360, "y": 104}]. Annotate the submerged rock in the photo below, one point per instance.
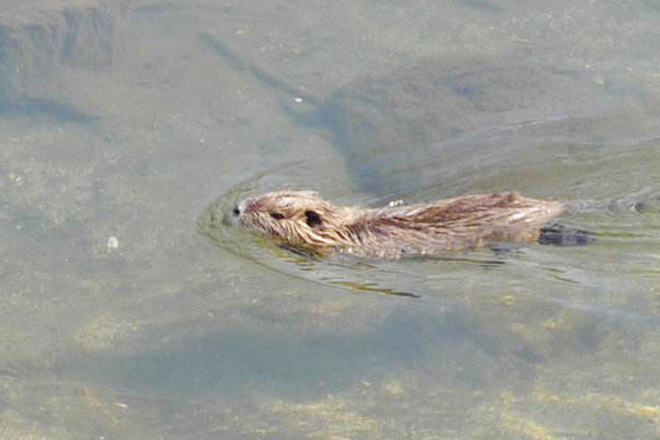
[
  {"x": 429, "y": 120},
  {"x": 39, "y": 38},
  {"x": 397, "y": 131}
]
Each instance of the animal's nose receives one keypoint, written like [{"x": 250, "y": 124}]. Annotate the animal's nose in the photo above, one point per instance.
[{"x": 240, "y": 208}]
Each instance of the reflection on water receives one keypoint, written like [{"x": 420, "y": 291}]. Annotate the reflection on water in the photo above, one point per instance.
[{"x": 136, "y": 116}]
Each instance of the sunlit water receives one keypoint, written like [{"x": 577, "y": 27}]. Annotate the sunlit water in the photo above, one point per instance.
[{"x": 129, "y": 310}]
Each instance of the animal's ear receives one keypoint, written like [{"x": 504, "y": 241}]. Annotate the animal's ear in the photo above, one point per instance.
[{"x": 313, "y": 218}]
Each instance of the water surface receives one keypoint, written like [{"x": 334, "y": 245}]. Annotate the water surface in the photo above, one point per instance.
[{"x": 120, "y": 320}]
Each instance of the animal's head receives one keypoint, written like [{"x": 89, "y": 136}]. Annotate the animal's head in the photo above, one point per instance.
[{"x": 299, "y": 218}]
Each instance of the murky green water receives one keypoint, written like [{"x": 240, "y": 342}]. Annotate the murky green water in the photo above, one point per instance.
[{"x": 119, "y": 319}]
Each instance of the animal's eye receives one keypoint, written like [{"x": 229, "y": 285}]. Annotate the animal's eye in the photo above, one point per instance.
[
  {"x": 276, "y": 215},
  {"x": 236, "y": 211},
  {"x": 313, "y": 218}
]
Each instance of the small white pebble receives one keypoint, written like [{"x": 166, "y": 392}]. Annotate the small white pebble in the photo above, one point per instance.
[
  {"x": 16, "y": 179},
  {"x": 298, "y": 100},
  {"x": 113, "y": 243}
]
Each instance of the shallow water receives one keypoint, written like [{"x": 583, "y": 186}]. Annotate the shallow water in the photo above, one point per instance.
[{"x": 120, "y": 319}]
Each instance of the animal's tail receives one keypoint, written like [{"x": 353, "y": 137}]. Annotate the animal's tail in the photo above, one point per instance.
[{"x": 559, "y": 235}]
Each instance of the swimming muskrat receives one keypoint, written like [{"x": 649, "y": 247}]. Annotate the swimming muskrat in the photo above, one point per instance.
[{"x": 303, "y": 220}]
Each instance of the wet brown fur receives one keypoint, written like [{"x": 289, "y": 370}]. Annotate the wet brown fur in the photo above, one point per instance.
[{"x": 302, "y": 219}]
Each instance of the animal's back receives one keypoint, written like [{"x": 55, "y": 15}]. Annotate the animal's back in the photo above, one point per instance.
[{"x": 460, "y": 223}]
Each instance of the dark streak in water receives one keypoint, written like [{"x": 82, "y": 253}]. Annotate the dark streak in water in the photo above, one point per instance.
[
  {"x": 49, "y": 108},
  {"x": 9, "y": 373},
  {"x": 364, "y": 287},
  {"x": 265, "y": 78},
  {"x": 483, "y": 5}
]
